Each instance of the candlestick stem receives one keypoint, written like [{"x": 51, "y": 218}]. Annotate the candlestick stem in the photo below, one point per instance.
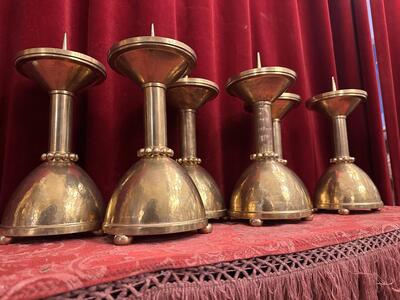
[
  {"x": 276, "y": 124},
  {"x": 263, "y": 127},
  {"x": 155, "y": 115},
  {"x": 60, "y": 121},
  {"x": 188, "y": 133},
  {"x": 340, "y": 137}
]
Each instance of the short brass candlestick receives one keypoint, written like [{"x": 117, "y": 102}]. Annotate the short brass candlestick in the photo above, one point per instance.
[
  {"x": 58, "y": 197},
  {"x": 344, "y": 186},
  {"x": 188, "y": 95},
  {"x": 267, "y": 189},
  {"x": 280, "y": 107},
  {"x": 156, "y": 195}
]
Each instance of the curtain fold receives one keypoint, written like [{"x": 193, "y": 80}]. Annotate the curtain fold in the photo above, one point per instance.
[
  {"x": 318, "y": 39},
  {"x": 386, "y": 23}
]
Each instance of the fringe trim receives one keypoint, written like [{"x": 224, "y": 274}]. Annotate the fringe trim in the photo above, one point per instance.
[{"x": 373, "y": 275}]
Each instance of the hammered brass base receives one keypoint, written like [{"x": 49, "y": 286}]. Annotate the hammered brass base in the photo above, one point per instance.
[
  {"x": 266, "y": 215},
  {"x": 48, "y": 230},
  {"x": 352, "y": 206},
  {"x": 154, "y": 229},
  {"x": 216, "y": 214}
]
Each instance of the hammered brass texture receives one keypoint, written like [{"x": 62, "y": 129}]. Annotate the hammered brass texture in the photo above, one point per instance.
[
  {"x": 58, "y": 69},
  {"x": 269, "y": 190},
  {"x": 345, "y": 185},
  {"x": 282, "y": 105},
  {"x": 337, "y": 103},
  {"x": 151, "y": 59},
  {"x": 55, "y": 198},
  {"x": 210, "y": 195},
  {"x": 188, "y": 95},
  {"x": 260, "y": 84},
  {"x": 58, "y": 197},
  {"x": 191, "y": 93},
  {"x": 156, "y": 196}
]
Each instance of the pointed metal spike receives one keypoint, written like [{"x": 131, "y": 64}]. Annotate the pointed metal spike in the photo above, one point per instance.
[
  {"x": 334, "y": 88},
  {"x": 258, "y": 60},
  {"x": 152, "y": 30},
  {"x": 65, "y": 43}
]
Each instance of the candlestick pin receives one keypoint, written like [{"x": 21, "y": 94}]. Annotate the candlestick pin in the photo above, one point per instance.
[
  {"x": 280, "y": 107},
  {"x": 267, "y": 189},
  {"x": 188, "y": 95},
  {"x": 344, "y": 186},
  {"x": 156, "y": 195},
  {"x": 58, "y": 197}
]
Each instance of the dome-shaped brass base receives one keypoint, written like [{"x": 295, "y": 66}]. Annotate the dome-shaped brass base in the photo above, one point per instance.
[
  {"x": 208, "y": 190},
  {"x": 156, "y": 196},
  {"x": 55, "y": 198},
  {"x": 270, "y": 190},
  {"x": 346, "y": 186}
]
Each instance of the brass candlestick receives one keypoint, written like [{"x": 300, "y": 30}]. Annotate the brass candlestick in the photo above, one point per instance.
[
  {"x": 188, "y": 95},
  {"x": 267, "y": 189},
  {"x": 344, "y": 186},
  {"x": 58, "y": 197},
  {"x": 156, "y": 195},
  {"x": 280, "y": 107}
]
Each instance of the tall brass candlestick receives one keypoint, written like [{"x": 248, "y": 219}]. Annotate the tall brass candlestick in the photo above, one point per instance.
[
  {"x": 188, "y": 95},
  {"x": 58, "y": 197},
  {"x": 344, "y": 186},
  {"x": 156, "y": 195},
  {"x": 267, "y": 189},
  {"x": 280, "y": 107}
]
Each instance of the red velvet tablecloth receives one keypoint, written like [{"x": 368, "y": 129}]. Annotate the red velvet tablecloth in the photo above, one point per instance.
[{"x": 36, "y": 268}]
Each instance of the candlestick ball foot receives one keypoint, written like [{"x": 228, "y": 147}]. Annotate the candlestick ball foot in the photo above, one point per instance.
[
  {"x": 121, "y": 239},
  {"x": 5, "y": 240},
  {"x": 256, "y": 222},
  {"x": 343, "y": 211},
  {"x": 207, "y": 229}
]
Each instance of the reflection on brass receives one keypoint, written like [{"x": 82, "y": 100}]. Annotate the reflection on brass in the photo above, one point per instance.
[
  {"x": 267, "y": 189},
  {"x": 58, "y": 197},
  {"x": 344, "y": 186},
  {"x": 188, "y": 95},
  {"x": 156, "y": 195},
  {"x": 280, "y": 107}
]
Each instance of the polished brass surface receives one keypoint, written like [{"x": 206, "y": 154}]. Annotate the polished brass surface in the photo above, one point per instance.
[
  {"x": 58, "y": 197},
  {"x": 151, "y": 59},
  {"x": 267, "y": 189},
  {"x": 280, "y": 107},
  {"x": 59, "y": 69},
  {"x": 188, "y": 95},
  {"x": 344, "y": 186},
  {"x": 261, "y": 84},
  {"x": 55, "y": 198},
  {"x": 156, "y": 195}
]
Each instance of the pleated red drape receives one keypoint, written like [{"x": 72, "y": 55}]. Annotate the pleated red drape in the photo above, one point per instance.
[
  {"x": 317, "y": 39},
  {"x": 386, "y": 22}
]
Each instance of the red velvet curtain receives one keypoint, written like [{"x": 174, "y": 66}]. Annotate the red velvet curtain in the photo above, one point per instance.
[
  {"x": 317, "y": 39},
  {"x": 386, "y": 22}
]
